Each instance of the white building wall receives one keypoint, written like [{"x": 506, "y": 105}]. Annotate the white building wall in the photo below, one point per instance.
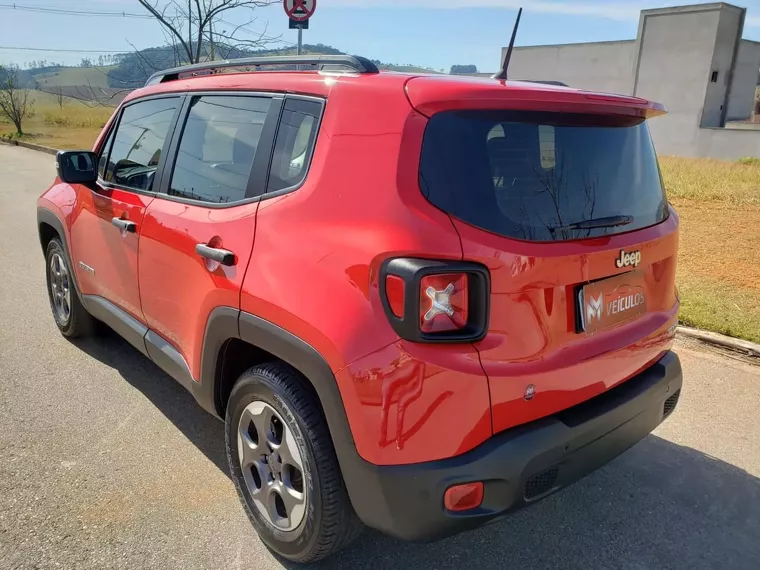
[
  {"x": 600, "y": 66},
  {"x": 670, "y": 62},
  {"x": 726, "y": 47},
  {"x": 741, "y": 100}
]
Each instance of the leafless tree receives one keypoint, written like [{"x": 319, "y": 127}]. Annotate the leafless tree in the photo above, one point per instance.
[
  {"x": 190, "y": 23},
  {"x": 59, "y": 97},
  {"x": 14, "y": 99}
]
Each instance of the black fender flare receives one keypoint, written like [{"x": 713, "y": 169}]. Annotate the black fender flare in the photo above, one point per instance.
[
  {"x": 225, "y": 323},
  {"x": 46, "y": 216}
]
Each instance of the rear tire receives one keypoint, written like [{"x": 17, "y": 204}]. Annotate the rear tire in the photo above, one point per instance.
[
  {"x": 70, "y": 316},
  {"x": 272, "y": 398}
]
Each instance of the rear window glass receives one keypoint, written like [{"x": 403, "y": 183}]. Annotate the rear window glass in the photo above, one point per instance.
[{"x": 543, "y": 176}]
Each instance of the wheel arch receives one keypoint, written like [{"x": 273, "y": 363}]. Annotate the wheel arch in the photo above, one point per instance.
[
  {"x": 50, "y": 226},
  {"x": 227, "y": 326}
]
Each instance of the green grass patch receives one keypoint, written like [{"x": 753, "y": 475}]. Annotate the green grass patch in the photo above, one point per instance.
[{"x": 720, "y": 307}]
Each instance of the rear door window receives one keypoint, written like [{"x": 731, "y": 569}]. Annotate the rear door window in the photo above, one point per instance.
[
  {"x": 217, "y": 148},
  {"x": 543, "y": 176}
]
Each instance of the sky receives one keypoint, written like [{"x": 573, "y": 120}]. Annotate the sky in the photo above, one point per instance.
[{"x": 429, "y": 33}]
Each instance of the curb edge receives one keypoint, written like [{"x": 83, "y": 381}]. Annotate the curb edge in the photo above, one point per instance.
[
  {"x": 721, "y": 340},
  {"x": 31, "y": 146}
]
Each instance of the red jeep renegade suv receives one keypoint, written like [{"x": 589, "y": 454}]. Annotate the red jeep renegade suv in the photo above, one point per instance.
[{"x": 418, "y": 302}]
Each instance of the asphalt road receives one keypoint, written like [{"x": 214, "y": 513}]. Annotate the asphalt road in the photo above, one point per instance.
[{"x": 105, "y": 462}]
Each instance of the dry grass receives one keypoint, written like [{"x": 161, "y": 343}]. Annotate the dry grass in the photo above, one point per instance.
[
  {"x": 75, "y": 126},
  {"x": 718, "y": 272},
  {"x": 708, "y": 180}
]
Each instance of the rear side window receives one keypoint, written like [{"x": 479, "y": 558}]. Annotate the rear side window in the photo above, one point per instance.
[
  {"x": 294, "y": 146},
  {"x": 543, "y": 176},
  {"x": 139, "y": 141},
  {"x": 217, "y": 148}
]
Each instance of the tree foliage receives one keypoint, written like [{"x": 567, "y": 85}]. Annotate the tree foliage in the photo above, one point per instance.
[{"x": 464, "y": 69}]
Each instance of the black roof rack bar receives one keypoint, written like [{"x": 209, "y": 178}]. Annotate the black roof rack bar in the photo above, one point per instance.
[
  {"x": 544, "y": 81},
  {"x": 353, "y": 62}
]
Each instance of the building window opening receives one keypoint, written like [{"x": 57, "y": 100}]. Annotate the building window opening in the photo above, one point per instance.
[{"x": 714, "y": 77}]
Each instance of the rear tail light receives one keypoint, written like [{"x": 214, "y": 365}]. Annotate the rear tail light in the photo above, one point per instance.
[
  {"x": 463, "y": 497},
  {"x": 435, "y": 301},
  {"x": 443, "y": 302}
]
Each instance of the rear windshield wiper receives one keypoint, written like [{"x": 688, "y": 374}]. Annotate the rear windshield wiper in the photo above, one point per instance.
[{"x": 606, "y": 222}]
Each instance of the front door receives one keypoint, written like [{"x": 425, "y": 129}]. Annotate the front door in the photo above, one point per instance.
[
  {"x": 197, "y": 235},
  {"x": 106, "y": 226}
]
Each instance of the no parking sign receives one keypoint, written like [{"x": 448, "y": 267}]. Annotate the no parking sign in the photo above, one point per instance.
[{"x": 299, "y": 12}]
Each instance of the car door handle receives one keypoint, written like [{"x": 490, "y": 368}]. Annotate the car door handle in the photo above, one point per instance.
[
  {"x": 223, "y": 256},
  {"x": 124, "y": 225}
]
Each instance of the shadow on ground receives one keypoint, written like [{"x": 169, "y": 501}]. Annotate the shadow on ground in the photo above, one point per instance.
[{"x": 660, "y": 505}]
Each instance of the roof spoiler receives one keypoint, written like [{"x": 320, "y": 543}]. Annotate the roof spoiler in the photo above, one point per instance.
[{"x": 354, "y": 63}]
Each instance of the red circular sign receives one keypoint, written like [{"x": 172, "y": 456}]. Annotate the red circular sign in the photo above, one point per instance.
[{"x": 299, "y": 10}]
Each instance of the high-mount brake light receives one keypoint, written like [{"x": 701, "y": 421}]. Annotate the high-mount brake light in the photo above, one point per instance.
[{"x": 435, "y": 301}]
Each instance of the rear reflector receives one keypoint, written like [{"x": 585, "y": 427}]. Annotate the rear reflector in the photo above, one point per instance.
[
  {"x": 443, "y": 302},
  {"x": 463, "y": 497},
  {"x": 394, "y": 291}
]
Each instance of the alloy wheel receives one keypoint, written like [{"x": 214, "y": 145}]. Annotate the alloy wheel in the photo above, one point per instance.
[
  {"x": 272, "y": 466},
  {"x": 60, "y": 288}
]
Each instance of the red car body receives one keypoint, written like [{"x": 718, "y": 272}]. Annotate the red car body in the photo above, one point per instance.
[{"x": 311, "y": 263}]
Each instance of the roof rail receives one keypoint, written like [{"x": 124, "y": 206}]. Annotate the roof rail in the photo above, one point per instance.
[
  {"x": 356, "y": 63},
  {"x": 545, "y": 82}
]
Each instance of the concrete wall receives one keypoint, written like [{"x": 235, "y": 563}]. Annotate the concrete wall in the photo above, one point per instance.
[
  {"x": 600, "y": 66},
  {"x": 727, "y": 144},
  {"x": 741, "y": 100},
  {"x": 675, "y": 48},
  {"x": 671, "y": 61},
  {"x": 726, "y": 48}
]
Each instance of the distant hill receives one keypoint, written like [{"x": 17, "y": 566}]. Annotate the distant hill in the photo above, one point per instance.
[
  {"x": 72, "y": 76},
  {"x": 134, "y": 68}
]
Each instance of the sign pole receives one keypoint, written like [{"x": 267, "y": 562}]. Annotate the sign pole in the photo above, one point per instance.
[{"x": 299, "y": 12}]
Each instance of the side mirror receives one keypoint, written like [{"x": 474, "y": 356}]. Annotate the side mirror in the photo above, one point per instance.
[{"x": 77, "y": 166}]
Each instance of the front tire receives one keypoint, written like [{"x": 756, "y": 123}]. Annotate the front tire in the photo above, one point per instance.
[
  {"x": 284, "y": 466},
  {"x": 70, "y": 316}
]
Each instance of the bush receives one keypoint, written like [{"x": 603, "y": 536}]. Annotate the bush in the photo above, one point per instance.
[{"x": 749, "y": 161}]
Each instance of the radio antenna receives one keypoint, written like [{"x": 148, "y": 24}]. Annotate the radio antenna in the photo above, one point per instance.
[{"x": 503, "y": 73}]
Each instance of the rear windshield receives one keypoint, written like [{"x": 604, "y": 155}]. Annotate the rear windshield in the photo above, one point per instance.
[{"x": 543, "y": 176}]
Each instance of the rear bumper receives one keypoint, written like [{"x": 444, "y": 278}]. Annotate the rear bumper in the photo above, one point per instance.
[{"x": 518, "y": 466}]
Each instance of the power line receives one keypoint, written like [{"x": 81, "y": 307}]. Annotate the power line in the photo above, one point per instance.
[
  {"x": 11, "y": 48},
  {"x": 65, "y": 11}
]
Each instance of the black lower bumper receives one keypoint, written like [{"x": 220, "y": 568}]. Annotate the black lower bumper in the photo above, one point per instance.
[{"x": 518, "y": 466}]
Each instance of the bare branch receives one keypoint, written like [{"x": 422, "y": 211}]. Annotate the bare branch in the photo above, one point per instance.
[
  {"x": 14, "y": 100},
  {"x": 191, "y": 24}
]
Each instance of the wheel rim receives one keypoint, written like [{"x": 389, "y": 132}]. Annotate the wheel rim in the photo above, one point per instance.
[
  {"x": 60, "y": 288},
  {"x": 272, "y": 466}
]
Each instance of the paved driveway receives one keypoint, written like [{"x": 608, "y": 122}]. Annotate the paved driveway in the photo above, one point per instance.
[{"x": 106, "y": 463}]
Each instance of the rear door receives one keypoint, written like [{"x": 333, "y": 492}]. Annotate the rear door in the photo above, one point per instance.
[
  {"x": 107, "y": 223},
  {"x": 198, "y": 233},
  {"x": 569, "y": 214}
]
